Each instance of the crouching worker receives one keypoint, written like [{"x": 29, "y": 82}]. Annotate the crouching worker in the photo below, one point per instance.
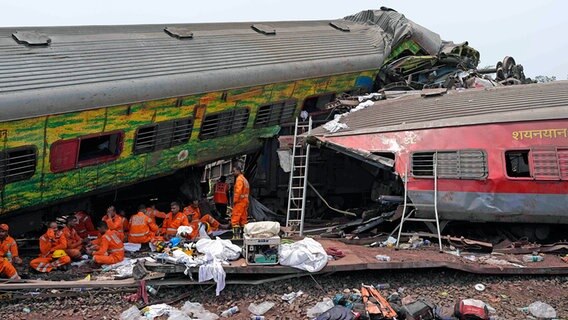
[
  {"x": 74, "y": 241},
  {"x": 108, "y": 248},
  {"x": 201, "y": 229},
  {"x": 8, "y": 254},
  {"x": 52, "y": 246},
  {"x": 141, "y": 228}
]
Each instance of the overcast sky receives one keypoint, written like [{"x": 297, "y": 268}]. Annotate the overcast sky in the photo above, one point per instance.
[{"x": 533, "y": 32}]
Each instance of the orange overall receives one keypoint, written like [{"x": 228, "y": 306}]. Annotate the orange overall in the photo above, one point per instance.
[
  {"x": 48, "y": 243},
  {"x": 155, "y": 213},
  {"x": 172, "y": 223},
  {"x": 141, "y": 229},
  {"x": 117, "y": 223},
  {"x": 111, "y": 249},
  {"x": 85, "y": 225},
  {"x": 6, "y": 268},
  {"x": 74, "y": 243},
  {"x": 192, "y": 213},
  {"x": 240, "y": 202}
]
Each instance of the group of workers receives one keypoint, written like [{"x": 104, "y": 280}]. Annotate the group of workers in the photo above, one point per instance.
[{"x": 67, "y": 240}]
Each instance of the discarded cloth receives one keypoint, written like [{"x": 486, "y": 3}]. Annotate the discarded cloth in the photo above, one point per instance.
[
  {"x": 263, "y": 229},
  {"x": 306, "y": 254},
  {"x": 132, "y": 247},
  {"x": 196, "y": 310},
  {"x": 213, "y": 270},
  {"x": 223, "y": 250},
  {"x": 335, "y": 253}
]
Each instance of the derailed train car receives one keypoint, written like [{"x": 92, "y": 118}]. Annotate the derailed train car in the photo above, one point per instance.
[
  {"x": 85, "y": 110},
  {"x": 501, "y": 154}
]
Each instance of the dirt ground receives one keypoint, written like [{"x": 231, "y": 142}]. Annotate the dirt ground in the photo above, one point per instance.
[{"x": 440, "y": 286}]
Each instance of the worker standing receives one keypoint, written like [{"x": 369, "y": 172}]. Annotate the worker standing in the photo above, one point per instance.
[
  {"x": 141, "y": 228},
  {"x": 8, "y": 254},
  {"x": 240, "y": 202},
  {"x": 220, "y": 197},
  {"x": 115, "y": 222},
  {"x": 174, "y": 219},
  {"x": 109, "y": 248},
  {"x": 74, "y": 241},
  {"x": 85, "y": 225},
  {"x": 52, "y": 247}
]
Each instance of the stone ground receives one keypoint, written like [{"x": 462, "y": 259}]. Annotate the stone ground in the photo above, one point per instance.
[{"x": 442, "y": 287}]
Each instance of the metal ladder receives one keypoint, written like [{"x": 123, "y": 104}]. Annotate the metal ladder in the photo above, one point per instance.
[
  {"x": 298, "y": 177},
  {"x": 407, "y": 216}
]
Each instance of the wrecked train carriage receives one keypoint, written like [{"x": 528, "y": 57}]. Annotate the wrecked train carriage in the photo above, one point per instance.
[
  {"x": 86, "y": 110},
  {"x": 501, "y": 153}
]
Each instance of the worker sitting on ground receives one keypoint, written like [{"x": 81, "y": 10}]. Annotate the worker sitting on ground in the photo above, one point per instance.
[
  {"x": 154, "y": 213},
  {"x": 201, "y": 229},
  {"x": 240, "y": 203},
  {"x": 8, "y": 254},
  {"x": 74, "y": 241},
  {"x": 114, "y": 221},
  {"x": 109, "y": 248},
  {"x": 52, "y": 247},
  {"x": 141, "y": 228},
  {"x": 221, "y": 196},
  {"x": 174, "y": 219},
  {"x": 192, "y": 211},
  {"x": 85, "y": 225}
]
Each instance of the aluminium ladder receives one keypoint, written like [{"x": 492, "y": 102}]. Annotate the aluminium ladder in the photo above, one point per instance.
[
  {"x": 407, "y": 216},
  {"x": 298, "y": 177}
]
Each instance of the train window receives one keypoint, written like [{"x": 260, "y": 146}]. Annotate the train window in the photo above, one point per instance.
[
  {"x": 85, "y": 151},
  {"x": 317, "y": 103},
  {"x": 275, "y": 113},
  {"x": 563, "y": 163},
  {"x": 224, "y": 123},
  {"x": 517, "y": 164},
  {"x": 163, "y": 135},
  {"x": 459, "y": 164},
  {"x": 17, "y": 164},
  {"x": 544, "y": 163}
]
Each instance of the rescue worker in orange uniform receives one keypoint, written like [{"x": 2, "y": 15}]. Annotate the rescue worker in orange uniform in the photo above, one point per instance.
[
  {"x": 114, "y": 221},
  {"x": 52, "y": 247},
  {"x": 8, "y": 254},
  {"x": 240, "y": 202},
  {"x": 74, "y": 241},
  {"x": 109, "y": 248},
  {"x": 85, "y": 225},
  {"x": 154, "y": 213},
  {"x": 174, "y": 219},
  {"x": 192, "y": 211},
  {"x": 220, "y": 196},
  {"x": 141, "y": 228}
]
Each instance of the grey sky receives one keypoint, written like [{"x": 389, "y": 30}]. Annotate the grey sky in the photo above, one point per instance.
[{"x": 530, "y": 31}]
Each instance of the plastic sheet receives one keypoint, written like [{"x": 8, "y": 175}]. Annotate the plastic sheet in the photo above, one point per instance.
[
  {"x": 306, "y": 254},
  {"x": 320, "y": 308},
  {"x": 196, "y": 310},
  {"x": 261, "y": 308}
]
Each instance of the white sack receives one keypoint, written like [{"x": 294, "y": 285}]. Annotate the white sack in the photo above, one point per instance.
[
  {"x": 306, "y": 254},
  {"x": 218, "y": 248},
  {"x": 262, "y": 229}
]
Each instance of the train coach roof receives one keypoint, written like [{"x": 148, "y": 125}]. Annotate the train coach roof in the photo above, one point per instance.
[
  {"x": 415, "y": 111},
  {"x": 80, "y": 68}
]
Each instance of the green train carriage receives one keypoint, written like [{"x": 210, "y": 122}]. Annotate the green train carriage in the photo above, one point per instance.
[{"x": 89, "y": 109}]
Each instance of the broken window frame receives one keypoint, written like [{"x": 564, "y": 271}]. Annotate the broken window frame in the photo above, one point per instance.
[
  {"x": 162, "y": 135},
  {"x": 451, "y": 164},
  {"x": 275, "y": 113},
  {"x": 317, "y": 109},
  {"x": 71, "y": 148},
  {"x": 224, "y": 123},
  {"x": 545, "y": 163},
  {"x": 9, "y": 172}
]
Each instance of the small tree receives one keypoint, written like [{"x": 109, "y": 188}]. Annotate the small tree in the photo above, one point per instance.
[{"x": 545, "y": 79}]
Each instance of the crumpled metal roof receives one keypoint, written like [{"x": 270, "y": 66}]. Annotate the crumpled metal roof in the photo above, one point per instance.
[
  {"x": 95, "y": 66},
  {"x": 412, "y": 111}
]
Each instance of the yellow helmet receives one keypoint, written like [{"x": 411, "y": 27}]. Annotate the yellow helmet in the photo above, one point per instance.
[{"x": 58, "y": 254}]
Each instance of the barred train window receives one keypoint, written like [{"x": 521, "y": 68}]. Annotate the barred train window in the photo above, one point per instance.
[
  {"x": 224, "y": 123},
  {"x": 539, "y": 163},
  {"x": 275, "y": 113},
  {"x": 163, "y": 135},
  {"x": 460, "y": 164},
  {"x": 17, "y": 164}
]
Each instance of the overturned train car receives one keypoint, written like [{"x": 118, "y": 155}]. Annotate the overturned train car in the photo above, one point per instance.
[
  {"x": 85, "y": 110},
  {"x": 501, "y": 154}
]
